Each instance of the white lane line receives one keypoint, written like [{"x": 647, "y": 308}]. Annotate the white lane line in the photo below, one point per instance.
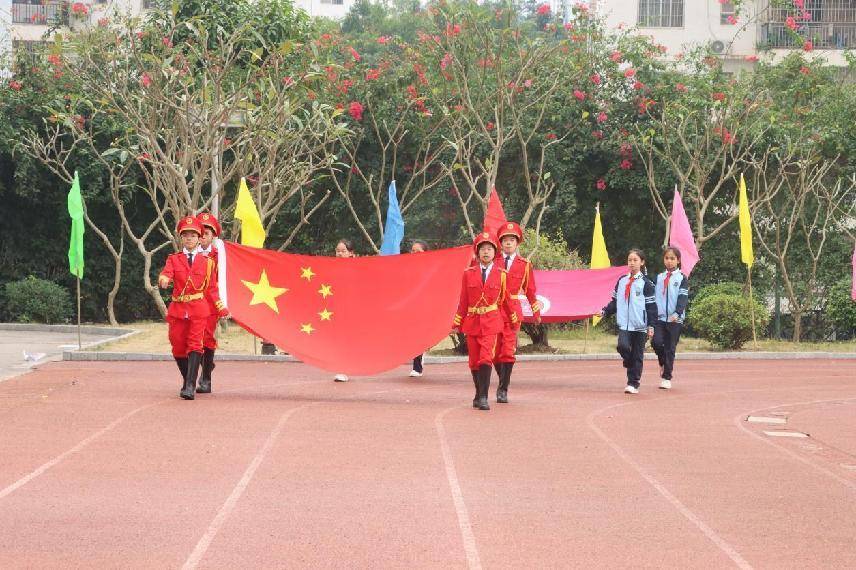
[
  {"x": 27, "y": 478},
  {"x": 792, "y": 454},
  {"x": 227, "y": 508},
  {"x": 470, "y": 547},
  {"x": 711, "y": 534},
  {"x": 223, "y": 514}
]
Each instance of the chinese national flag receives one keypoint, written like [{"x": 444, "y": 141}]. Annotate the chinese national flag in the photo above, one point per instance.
[{"x": 346, "y": 315}]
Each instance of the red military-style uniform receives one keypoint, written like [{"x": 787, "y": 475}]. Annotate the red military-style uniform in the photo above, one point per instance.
[
  {"x": 521, "y": 285},
  {"x": 482, "y": 310},
  {"x": 209, "y": 341},
  {"x": 189, "y": 310}
]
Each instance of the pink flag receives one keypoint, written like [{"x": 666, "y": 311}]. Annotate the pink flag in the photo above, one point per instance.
[
  {"x": 573, "y": 295},
  {"x": 681, "y": 236},
  {"x": 853, "y": 289}
]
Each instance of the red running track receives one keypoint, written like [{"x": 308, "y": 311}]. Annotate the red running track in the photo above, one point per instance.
[{"x": 104, "y": 466}]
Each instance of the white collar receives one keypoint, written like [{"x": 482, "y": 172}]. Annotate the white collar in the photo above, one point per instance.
[{"x": 186, "y": 251}]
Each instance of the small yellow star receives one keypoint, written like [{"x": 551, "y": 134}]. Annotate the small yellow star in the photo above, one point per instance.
[
  {"x": 306, "y": 273},
  {"x": 325, "y": 290},
  {"x": 325, "y": 315},
  {"x": 263, "y": 292},
  {"x": 307, "y": 328}
]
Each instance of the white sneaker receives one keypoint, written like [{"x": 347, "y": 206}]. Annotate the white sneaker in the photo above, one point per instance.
[
  {"x": 630, "y": 390},
  {"x": 666, "y": 385},
  {"x": 415, "y": 374},
  {"x": 340, "y": 378}
]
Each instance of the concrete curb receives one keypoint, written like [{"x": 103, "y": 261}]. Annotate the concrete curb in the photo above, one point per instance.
[
  {"x": 89, "y": 329},
  {"x": 92, "y": 356}
]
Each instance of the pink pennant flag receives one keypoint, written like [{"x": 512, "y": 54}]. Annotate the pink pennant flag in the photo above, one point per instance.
[
  {"x": 681, "y": 236},
  {"x": 853, "y": 289}
]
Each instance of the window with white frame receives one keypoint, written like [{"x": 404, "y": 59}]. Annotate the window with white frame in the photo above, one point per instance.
[{"x": 661, "y": 13}]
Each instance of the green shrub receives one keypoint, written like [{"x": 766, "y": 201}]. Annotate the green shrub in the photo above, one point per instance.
[
  {"x": 723, "y": 288},
  {"x": 37, "y": 300},
  {"x": 841, "y": 309},
  {"x": 725, "y": 320}
]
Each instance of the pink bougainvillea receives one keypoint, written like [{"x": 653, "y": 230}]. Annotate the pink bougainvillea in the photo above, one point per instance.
[{"x": 355, "y": 110}]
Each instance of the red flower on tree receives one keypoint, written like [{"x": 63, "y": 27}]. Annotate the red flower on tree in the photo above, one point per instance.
[
  {"x": 718, "y": 96},
  {"x": 581, "y": 96},
  {"x": 354, "y": 54},
  {"x": 383, "y": 40},
  {"x": 372, "y": 74},
  {"x": 681, "y": 87},
  {"x": 616, "y": 56},
  {"x": 751, "y": 58},
  {"x": 626, "y": 164},
  {"x": 731, "y": 19},
  {"x": 601, "y": 184},
  {"x": 355, "y": 110},
  {"x": 489, "y": 125},
  {"x": 597, "y": 134},
  {"x": 601, "y": 117},
  {"x": 15, "y": 85},
  {"x": 544, "y": 10},
  {"x": 807, "y": 45},
  {"x": 145, "y": 80},
  {"x": 791, "y": 22},
  {"x": 551, "y": 136},
  {"x": 629, "y": 72},
  {"x": 595, "y": 78}
]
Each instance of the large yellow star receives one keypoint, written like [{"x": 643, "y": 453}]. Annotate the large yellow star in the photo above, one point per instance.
[
  {"x": 306, "y": 273},
  {"x": 325, "y": 315},
  {"x": 325, "y": 290},
  {"x": 263, "y": 292},
  {"x": 307, "y": 328}
]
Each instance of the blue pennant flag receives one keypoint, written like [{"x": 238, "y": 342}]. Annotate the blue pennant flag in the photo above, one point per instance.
[{"x": 393, "y": 232}]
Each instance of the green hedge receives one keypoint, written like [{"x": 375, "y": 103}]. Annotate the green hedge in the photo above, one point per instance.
[{"x": 34, "y": 300}]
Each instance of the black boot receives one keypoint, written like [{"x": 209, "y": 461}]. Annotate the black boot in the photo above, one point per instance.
[
  {"x": 182, "y": 366},
  {"x": 189, "y": 388},
  {"x": 207, "y": 366},
  {"x": 484, "y": 373},
  {"x": 476, "y": 384},
  {"x": 504, "y": 381}
]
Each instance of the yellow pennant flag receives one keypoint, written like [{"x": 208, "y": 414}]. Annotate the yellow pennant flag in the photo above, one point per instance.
[
  {"x": 746, "y": 253},
  {"x": 599, "y": 256},
  {"x": 252, "y": 230}
]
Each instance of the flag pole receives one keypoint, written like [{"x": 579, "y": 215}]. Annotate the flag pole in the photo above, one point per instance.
[
  {"x": 752, "y": 308},
  {"x": 585, "y": 342},
  {"x": 79, "y": 344}
]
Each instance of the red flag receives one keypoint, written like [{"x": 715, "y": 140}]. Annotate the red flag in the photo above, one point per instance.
[
  {"x": 573, "y": 295},
  {"x": 350, "y": 315},
  {"x": 494, "y": 218}
]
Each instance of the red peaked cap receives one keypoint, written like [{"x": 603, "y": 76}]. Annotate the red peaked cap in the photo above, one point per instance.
[
  {"x": 510, "y": 229},
  {"x": 485, "y": 237},
  {"x": 189, "y": 223},
  {"x": 208, "y": 220}
]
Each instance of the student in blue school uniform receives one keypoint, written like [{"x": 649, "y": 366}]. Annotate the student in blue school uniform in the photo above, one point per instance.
[
  {"x": 635, "y": 313},
  {"x": 671, "y": 293}
]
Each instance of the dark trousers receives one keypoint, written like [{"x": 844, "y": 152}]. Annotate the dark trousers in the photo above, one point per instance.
[
  {"x": 631, "y": 347},
  {"x": 417, "y": 363},
  {"x": 666, "y": 336}
]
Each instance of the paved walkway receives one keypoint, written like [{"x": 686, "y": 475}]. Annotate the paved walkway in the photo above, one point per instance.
[
  {"x": 44, "y": 345},
  {"x": 104, "y": 466}
]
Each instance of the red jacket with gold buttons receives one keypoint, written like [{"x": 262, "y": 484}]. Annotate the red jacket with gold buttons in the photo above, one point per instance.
[
  {"x": 190, "y": 285},
  {"x": 521, "y": 284},
  {"x": 483, "y": 307}
]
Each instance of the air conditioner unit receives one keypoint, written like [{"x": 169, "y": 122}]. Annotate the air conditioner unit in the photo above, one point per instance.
[{"x": 717, "y": 47}]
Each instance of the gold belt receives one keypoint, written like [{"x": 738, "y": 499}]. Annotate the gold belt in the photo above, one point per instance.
[
  {"x": 186, "y": 298},
  {"x": 519, "y": 297},
  {"x": 481, "y": 310}
]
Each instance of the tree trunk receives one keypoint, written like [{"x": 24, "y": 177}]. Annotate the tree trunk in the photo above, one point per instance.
[
  {"x": 117, "y": 280},
  {"x": 538, "y": 335},
  {"x": 797, "y": 315}
]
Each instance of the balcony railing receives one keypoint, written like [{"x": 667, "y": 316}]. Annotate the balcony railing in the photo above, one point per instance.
[
  {"x": 41, "y": 14},
  {"x": 822, "y": 35}
]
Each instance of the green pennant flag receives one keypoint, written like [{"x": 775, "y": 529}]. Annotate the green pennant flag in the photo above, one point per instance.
[{"x": 75, "y": 241}]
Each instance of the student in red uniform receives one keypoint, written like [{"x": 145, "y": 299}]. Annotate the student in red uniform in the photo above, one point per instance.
[
  {"x": 521, "y": 285},
  {"x": 481, "y": 312},
  {"x": 192, "y": 276},
  {"x": 210, "y": 231}
]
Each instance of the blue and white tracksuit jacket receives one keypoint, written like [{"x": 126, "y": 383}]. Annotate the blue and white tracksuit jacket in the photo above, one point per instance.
[
  {"x": 674, "y": 300},
  {"x": 639, "y": 311}
]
